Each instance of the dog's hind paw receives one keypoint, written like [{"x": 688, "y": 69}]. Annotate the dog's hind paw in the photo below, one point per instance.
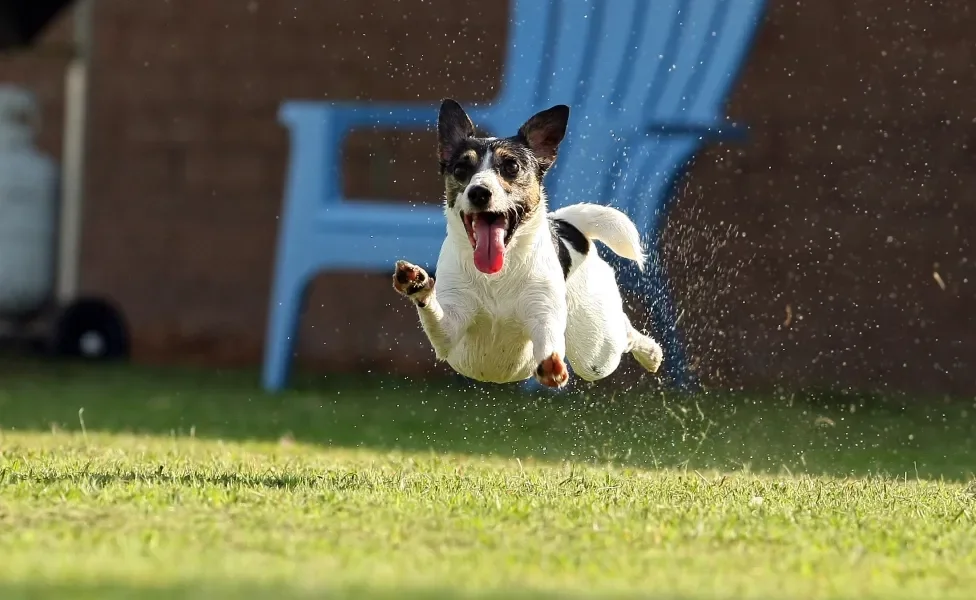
[
  {"x": 650, "y": 358},
  {"x": 552, "y": 372},
  {"x": 647, "y": 352},
  {"x": 413, "y": 282}
]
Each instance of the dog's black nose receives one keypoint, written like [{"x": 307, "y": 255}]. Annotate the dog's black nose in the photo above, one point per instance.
[{"x": 479, "y": 196}]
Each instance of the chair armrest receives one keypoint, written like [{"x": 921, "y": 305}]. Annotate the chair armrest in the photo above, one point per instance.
[
  {"x": 716, "y": 131},
  {"x": 318, "y": 129},
  {"x": 343, "y": 116}
]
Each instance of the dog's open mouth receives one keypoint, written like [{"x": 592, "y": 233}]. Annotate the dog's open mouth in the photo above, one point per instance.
[{"x": 489, "y": 234}]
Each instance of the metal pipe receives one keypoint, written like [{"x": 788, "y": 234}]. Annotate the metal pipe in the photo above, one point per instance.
[{"x": 73, "y": 154}]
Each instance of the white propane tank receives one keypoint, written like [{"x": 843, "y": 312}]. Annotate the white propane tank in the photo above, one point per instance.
[{"x": 28, "y": 208}]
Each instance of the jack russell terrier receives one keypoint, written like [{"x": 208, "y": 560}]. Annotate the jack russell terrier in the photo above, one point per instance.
[{"x": 520, "y": 289}]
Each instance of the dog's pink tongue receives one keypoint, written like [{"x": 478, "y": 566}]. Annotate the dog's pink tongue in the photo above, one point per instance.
[{"x": 489, "y": 250}]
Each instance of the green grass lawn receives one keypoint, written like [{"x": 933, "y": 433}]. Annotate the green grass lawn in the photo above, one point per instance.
[{"x": 123, "y": 483}]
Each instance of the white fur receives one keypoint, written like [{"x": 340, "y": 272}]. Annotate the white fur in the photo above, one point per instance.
[
  {"x": 608, "y": 225},
  {"x": 499, "y": 327},
  {"x": 485, "y": 176}
]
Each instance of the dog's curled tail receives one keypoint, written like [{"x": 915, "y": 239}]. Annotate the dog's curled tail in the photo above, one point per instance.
[{"x": 607, "y": 224}]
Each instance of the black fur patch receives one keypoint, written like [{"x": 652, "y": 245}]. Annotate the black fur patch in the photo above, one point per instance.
[{"x": 564, "y": 233}]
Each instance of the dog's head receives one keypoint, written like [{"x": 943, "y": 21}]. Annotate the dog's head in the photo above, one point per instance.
[{"x": 493, "y": 186}]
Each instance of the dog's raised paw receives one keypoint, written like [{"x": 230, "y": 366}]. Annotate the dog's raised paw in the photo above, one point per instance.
[
  {"x": 552, "y": 372},
  {"x": 412, "y": 281}
]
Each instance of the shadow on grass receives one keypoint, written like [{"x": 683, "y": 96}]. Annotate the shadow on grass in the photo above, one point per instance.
[
  {"x": 816, "y": 434},
  {"x": 188, "y": 591}
]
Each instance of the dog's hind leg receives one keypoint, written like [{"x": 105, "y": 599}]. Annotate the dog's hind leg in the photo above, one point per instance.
[
  {"x": 647, "y": 352},
  {"x": 597, "y": 328},
  {"x": 598, "y": 331}
]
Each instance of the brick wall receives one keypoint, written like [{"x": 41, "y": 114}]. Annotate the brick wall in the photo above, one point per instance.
[{"x": 854, "y": 189}]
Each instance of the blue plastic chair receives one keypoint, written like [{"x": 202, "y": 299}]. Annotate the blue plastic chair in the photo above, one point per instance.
[{"x": 646, "y": 81}]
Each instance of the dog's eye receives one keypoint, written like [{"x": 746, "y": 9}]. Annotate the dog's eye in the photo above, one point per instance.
[
  {"x": 461, "y": 171},
  {"x": 510, "y": 168}
]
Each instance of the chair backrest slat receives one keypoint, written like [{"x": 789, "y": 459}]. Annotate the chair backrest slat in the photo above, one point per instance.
[
  {"x": 571, "y": 38},
  {"x": 651, "y": 33},
  {"x": 610, "y": 64},
  {"x": 688, "y": 61},
  {"x": 524, "y": 57},
  {"x": 733, "y": 38}
]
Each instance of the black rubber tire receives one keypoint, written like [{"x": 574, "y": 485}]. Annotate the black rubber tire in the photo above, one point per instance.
[{"x": 92, "y": 329}]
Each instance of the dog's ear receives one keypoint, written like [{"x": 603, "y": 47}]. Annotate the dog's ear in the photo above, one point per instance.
[
  {"x": 453, "y": 127},
  {"x": 543, "y": 132}
]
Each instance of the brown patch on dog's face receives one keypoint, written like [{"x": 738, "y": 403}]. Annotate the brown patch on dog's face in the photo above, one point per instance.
[
  {"x": 458, "y": 172},
  {"x": 518, "y": 174}
]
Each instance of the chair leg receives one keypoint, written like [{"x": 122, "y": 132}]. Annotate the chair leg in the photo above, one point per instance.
[{"x": 280, "y": 340}]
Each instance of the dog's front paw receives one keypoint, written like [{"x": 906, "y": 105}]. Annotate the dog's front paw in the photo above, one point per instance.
[
  {"x": 552, "y": 372},
  {"x": 413, "y": 282}
]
